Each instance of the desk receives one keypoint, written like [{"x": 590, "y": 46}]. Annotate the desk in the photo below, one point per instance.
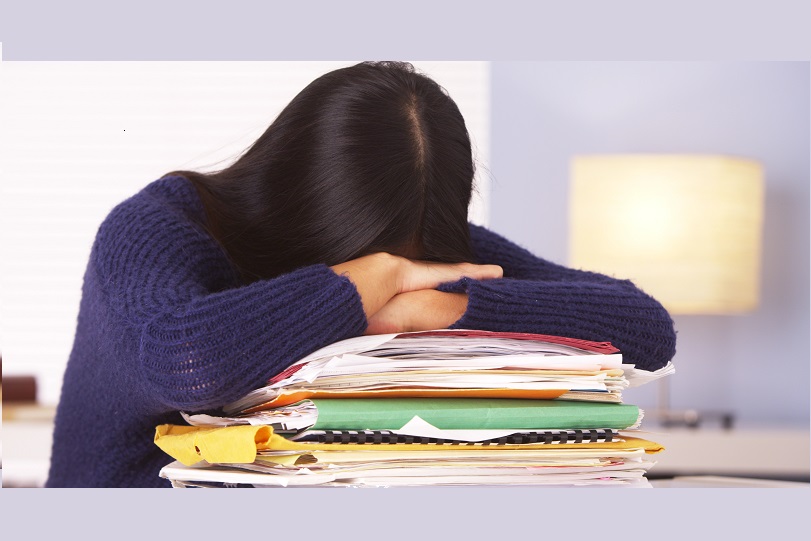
[
  {"x": 27, "y": 436},
  {"x": 27, "y": 433},
  {"x": 771, "y": 453}
]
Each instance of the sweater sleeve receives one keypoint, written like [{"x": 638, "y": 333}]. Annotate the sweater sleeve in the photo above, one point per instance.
[
  {"x": 204, "y": 342},
  {"x": 542, "y": 297}
]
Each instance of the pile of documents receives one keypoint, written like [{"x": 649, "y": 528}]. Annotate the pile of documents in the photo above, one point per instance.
[{"x": 445, "y": 407}]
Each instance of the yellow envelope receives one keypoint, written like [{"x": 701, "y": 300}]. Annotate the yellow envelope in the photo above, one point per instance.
[{"x": 191, "y": 444}]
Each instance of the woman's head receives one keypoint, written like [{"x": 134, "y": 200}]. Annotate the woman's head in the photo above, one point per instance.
[{"x": 372, "y": 157}]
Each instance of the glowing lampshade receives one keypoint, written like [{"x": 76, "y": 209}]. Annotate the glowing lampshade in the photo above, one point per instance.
[{"x": 684, "y": 228}]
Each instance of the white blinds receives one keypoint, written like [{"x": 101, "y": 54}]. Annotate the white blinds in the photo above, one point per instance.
[{"x": 76, "y": 138}]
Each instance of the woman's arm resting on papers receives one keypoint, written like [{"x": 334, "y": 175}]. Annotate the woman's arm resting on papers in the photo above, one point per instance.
[{"x": 539, "y": 296}]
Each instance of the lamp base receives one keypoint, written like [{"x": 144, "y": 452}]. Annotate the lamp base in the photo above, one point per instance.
[
  {"x": 666, "y": 417},
  {"x": 689, "y": 418}
]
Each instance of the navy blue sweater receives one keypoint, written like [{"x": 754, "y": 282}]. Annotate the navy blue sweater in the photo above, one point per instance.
[{"x": 164, "y": 325}]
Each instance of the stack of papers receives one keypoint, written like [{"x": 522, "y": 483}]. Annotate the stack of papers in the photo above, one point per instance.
[{"x": 431, "y": 408}]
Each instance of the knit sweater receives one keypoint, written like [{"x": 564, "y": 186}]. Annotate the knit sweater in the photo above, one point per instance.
[{"x": 165, "y": 326}]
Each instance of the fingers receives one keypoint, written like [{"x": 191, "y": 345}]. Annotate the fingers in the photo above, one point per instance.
[
  {"x": 482, "y": 272},
  {"x": 451, "y": 273},
  {"x": 428, "y": 275}
]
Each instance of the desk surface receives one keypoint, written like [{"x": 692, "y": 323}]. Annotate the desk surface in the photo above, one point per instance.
[
  {"x": 781, "y": 454},
  {"x": 763, "y": 452},
  {"x": 718, "y": 481}
]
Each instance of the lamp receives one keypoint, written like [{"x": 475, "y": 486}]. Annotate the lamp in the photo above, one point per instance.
[{"x": 686, "y": 229}]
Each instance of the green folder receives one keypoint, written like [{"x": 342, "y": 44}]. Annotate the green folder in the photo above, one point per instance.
[{"x": 471, "y": 414}]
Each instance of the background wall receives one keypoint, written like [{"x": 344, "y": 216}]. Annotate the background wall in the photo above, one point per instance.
[
  {"x": 77, "y": 138},
  {"x": 756, "y": 365}
]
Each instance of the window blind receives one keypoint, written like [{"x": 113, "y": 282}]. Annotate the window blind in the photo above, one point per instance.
[{"x": 77, "y": 138}]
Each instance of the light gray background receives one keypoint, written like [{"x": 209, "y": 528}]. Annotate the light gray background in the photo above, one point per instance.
[
  {"x": 474, "y": 30},
  {"x": 755, "y": 365}
]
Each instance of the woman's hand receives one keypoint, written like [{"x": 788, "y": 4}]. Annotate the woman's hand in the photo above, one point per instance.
[
  {"x": 379, "y": 277},
  {"x": 421, "y": 310},
  {"x": 417, "y": 275},
  {"x": 376, "y": 277}
]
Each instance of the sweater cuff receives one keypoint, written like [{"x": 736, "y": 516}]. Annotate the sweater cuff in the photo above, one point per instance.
[
  {"x": 460, "y": 286},
  {"x": 479, "y": 313}
]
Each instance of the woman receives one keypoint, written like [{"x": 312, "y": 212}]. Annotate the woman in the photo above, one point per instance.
[{"x": 347, "y": 216}]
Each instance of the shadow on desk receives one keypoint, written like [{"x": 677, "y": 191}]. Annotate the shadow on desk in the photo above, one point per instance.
[
  {"x": 714, "y": 481},
  {"x": 768, "y": 453},
  {"x": 27, "y": 436}
]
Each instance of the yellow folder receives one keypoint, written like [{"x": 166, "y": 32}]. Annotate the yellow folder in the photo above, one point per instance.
[{"x": 239, "y": 444}]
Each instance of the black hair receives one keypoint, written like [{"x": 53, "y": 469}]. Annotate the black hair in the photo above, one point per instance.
[{"x": 368, "y": 158}]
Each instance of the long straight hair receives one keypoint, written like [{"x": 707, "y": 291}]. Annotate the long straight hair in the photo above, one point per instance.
[{"x": 368, "y": 158}]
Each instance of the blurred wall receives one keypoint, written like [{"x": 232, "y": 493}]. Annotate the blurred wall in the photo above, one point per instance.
[
  {"x": 77, "y": 138},
  {"x": 756, "y": 365}
]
